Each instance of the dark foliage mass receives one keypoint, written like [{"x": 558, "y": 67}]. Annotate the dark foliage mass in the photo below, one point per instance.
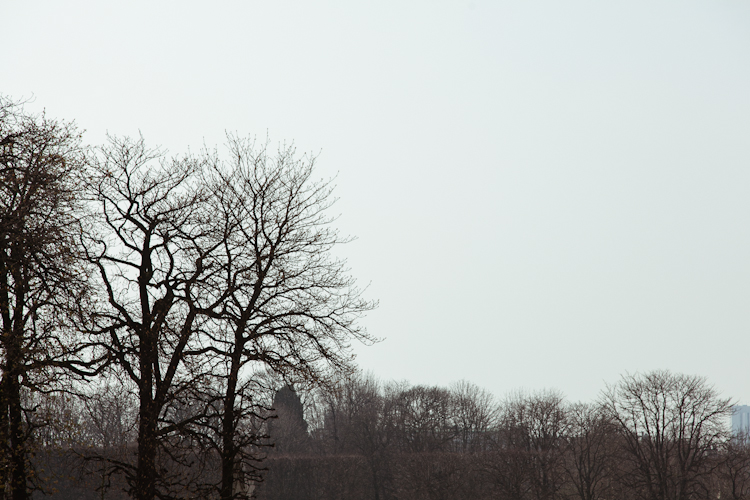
[{"x": 180, "y": 327}]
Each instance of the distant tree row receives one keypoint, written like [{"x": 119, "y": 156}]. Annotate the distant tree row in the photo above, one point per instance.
[
  {"x": 151, "y": 289},
  {"x": 653, "y": 436}
]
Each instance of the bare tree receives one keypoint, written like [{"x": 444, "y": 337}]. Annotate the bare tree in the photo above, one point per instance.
[
  {"x": 474, "y": 415},
  {"x": 671, "y": 424},
  {"x": 283, "y": 301},
  {"x": 590, "y": 451},
  {"x": 531, "y": 434},
  {"x": 359, "y": 421},
  {"x": 734, "y": 468},
  {"x": 423, "y": 419},
  {"x": 41, "y": 276},
  {"x": 148, "y": 249},
  {"x": 110, "y": 421},
  {"x": 110, "y": 416}
]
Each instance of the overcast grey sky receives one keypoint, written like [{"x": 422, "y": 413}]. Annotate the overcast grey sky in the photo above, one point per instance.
[{"x": 545, "y": 194}]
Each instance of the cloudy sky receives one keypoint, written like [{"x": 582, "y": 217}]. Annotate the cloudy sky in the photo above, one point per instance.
[{"x": 545, "y": 194}]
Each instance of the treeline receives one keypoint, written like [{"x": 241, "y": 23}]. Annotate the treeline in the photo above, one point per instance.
[
  {"x": 656, "y": 436},
  {"x": 652, "y": 436}
]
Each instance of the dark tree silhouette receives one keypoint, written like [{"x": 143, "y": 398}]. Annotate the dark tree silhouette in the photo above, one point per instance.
[
  {"x": 734, "y": 468},
  {"x": 671, "y": 424},
  {"x": 474, "y": 416},
  {"x": 529, "y": 453},
  {"x": 360, "y": 419},
  {"x": 41, "y": 276},
  {"x": 590, "y": 451},
  {"x": 284, "y": 303},
  {"x": 148, "y": 249}
]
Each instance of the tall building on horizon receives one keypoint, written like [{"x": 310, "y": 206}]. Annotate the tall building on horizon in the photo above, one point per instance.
[{"x": 741, "y": 419}]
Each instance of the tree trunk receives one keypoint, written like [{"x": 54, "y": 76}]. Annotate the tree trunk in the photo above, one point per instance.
[
  {"x": 17, "y": 441},
  {"x": 13, "y": 334},
  {"x": 228, "y": 451},
  {"x": 146, "y": 472},
  {"x": 145, "y": 488},
  {"x": 4, "y": 436},
  {"x": 4, "y": 385}
]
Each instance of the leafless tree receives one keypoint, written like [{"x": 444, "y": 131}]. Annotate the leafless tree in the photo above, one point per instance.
[
  {"x": 149, "y": 248},
  {"x": 474, "y": 415},
  {"x": 283, "y": 301},
  {"x": 41, "y": 275},
  {"x": 423, "y": 419},
  {"x": 590, "y": 451},
  {"x": 733, "y": 473},
  {"x": 671, "y": 425},
  {"x": 529, "y": 456},
  {"x": 359, "y": 421},
  {"x": 110, "y": 415}
]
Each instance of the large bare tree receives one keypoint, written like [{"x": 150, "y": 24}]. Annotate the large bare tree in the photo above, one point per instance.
[
  {"x": 670, "y": 424},
  {"x": 149, "y": 250},
  {"x": 281, "y": 300}
]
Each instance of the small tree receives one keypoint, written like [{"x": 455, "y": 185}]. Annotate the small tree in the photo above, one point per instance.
[
  {"x": 733, "y": 475},
  {"x": 590, "y": 451},
  {"x": 359, "y": 421},
  {"x": 423, "y": 419},
  {"x": 531, "y": 435},
  {"x": 474, "y": 414}
]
